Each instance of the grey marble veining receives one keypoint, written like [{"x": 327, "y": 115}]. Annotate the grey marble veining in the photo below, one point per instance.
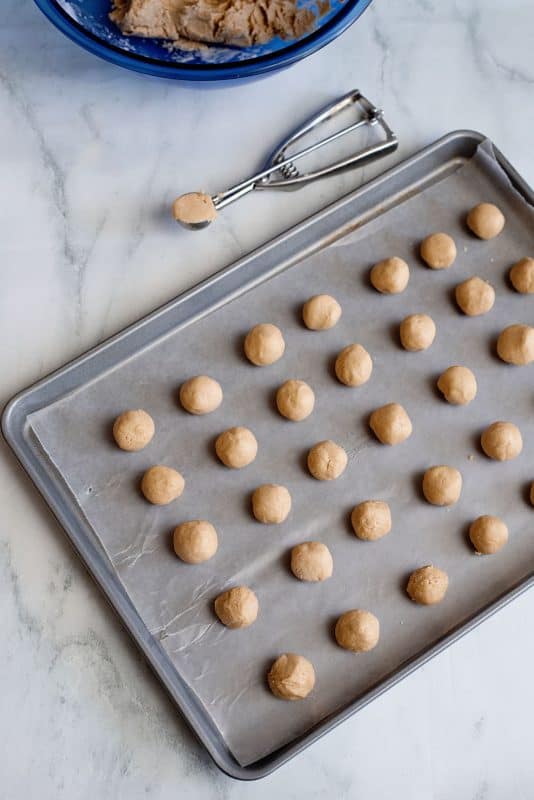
[{"x": 91, "y": 156}]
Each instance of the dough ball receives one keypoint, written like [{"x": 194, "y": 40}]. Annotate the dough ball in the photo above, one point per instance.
[
  {"x": 327, "y": 460},
  {"x": 195, "y": 541},
  {"x": 237, "y": 607},
  {"x": 458, "y": 385},
  {"x": 291, "y": 677},
  {"x": 485, "y": 220},
  {"x": 488, "y": 534},
  {"x": 502, "y": 441},
  {"x": 532, "y": 493},
  {"x": 390, "y": 424},
  {"x": 442, "y": 485},
  {"x": 271, "y": 503},
  {"x": 371, "y": 520},
  {"x": 428, "y": 585},
  {"x": 522, "y": 276},
  {"x": 358, "y": 631},
  {"x": 295, "y": 400},
  {"x": 321, "y": 312},
  {"x": 515, "y": 345},
  {"x": 236, "y": 447},
  {"x": 161, "y": 485},
  {"x": 194, "y": 208},
  {"x": 417, "y": 332},
  {"x": 311, "y": 561},
  {"x": 264, "y": 344},
  {"x": 438, "y": 251},
  {"x": 475, "y": 296},
  {"x": 390, "y": 276},
  {"x": 353, "y": 365},
  {"x": 201, "y": 395},
  {"x": 133, "y": 430}
]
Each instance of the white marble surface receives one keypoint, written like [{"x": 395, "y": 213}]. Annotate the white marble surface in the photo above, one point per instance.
[{"x": 90, "y": 157}]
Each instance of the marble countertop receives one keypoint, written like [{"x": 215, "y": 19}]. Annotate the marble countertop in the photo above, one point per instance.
[{"x": 91, "y": 156}]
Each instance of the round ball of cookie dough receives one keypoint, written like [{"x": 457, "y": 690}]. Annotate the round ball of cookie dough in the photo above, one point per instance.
[
  {"x": 488, "y": 534},
  {"x": 311, "y": 561},
  {"x": 327, "y": 460},
  {"x": 353, "y": 365},
  {"x": 133, "y": 430},
  {"x": 161, "y": 485},
  {"x": 295, "y": 400},
  {"x": 438, "y": 251},
  {"x": 485, "y": 220},
  {"x": 502, "y": 441},
  {"x": 522, "y": 276},
  {"x": 515, "y": 345},
  {"x": 264, "y": 344},
  {"x": 271, "y": 503},
  {"x": 195, "y": 541},
  {"x": 475, "y": 296},
  {"x": 237, "y": 607},
  {"x": 458, "y": 385},
  {"x": 417, "y": 332},
  {"x": 321, "y": 312},
  {"x": 291, "y": 677},
  {"x": 428, "y": 585},
  {"x": 390, "y": 276},
  {"x": 390, "y": 424},
  {"x": 371, "y": 520},
  {"x": 357, "y": 630},
  {"x": 236, "y": 447},
  {"x": 201, "y": 395},
  {"x": 442, "y": 485}
]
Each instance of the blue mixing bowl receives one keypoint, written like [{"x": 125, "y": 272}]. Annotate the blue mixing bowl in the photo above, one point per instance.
[{"x": 86, "y": 22}]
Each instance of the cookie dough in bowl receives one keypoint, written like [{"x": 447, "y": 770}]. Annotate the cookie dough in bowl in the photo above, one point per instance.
[{"x": 235, "y": 22}]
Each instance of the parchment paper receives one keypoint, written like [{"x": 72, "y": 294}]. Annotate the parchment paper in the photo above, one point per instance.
[{"x": 227, "y": 669}]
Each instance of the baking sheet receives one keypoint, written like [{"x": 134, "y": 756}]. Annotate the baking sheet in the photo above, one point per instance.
[{"x": 226, "y": 669}]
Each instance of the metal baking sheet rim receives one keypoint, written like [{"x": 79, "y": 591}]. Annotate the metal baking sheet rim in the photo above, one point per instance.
[{"x": 460, "y": 144}]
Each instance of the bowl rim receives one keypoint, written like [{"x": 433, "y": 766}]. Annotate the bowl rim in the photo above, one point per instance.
[{"x": 317, "y": 39}]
